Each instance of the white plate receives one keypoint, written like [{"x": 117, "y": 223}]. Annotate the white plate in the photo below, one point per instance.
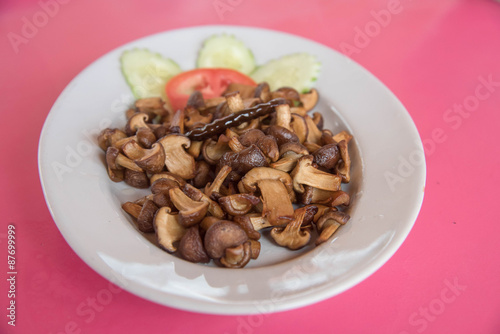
[{"x": 388, "y": 178}]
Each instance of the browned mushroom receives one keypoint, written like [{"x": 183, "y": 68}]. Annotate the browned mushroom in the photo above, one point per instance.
[
  {"x": 226, "y": 235},
  {"x": 343, "y": 135},
  {"x": 108, "y": 137},
  {"x": 116, "y": 160},
  {"x": 243, "y": 161},
  {"x": 168, "y": 175},
  {"x": 237, "y": 257},
  {"x": 329, "y": 223},
  {"x": 276, "y": 190},
  {"x": 263, "y": 92},
  {"x": 190, "y": 212},
  {"x": 219, "y": 179},
  {"x": 245, "y": 222},
  {"x": 344, "y": 166},
  {"x": 327, "y": 156},
  {"x": 197, "y": 195},
  {"x": 305, "y": 174},
  {"x": 313, "y": 133},
  {"x": 292, "y": 236},
  {"x": 290, "y": 153},
  {"x": 320, "y": 196},
  {"x": 150, "y": 105},
  {"x": 238, "y": 204},
  {"x": 167, "y": 228},
  {"x": 146, "y": 217},
  {"x": 309, "y": 100},
  {"x": 212, "y": 150},
  {"x": 136, "y": 122},
  {"x": 281, "y": 134},
  {"x": 132, "y": 209},
  {"x": 152, "y": 160},
  {"x": 177, "y": 160},
  {"x": 191, "y": 246},
  {"x": 135, "y": 179},
  {"x": 193, "y": 118},
  {"x": 202, "y": 174},
  {"x": 299, "y": 127},
  {"x": 145, "y": 137},
  {"x": 255, "y": 249},
  {"x": 246, "y": 91}
]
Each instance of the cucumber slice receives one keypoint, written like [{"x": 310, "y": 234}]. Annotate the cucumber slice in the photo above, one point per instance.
[
  {"x": 226, "y": 51},
  {"x": 147, "y": 72},
  {"x": 298, "y": 70}
]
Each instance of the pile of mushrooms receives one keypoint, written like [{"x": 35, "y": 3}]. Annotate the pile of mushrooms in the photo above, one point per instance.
[{"x": 224, "y": 169}]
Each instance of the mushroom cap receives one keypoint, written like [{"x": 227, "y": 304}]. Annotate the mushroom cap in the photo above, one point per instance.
[
  {"x": 167, "y": 229},
  {"x": 212, "y": 150},
  {"x": 250, "y": 180},
  {"x": 190, "y": 212},
  {"x": 153, "y": 161},
  {"x": 243, "y": 161},
  {"x": 136, "y": 179},
  {"x": 238, "y": 204},
  {"x": 111, "y": 155},
  {"x": 191, "y": 246},
  {"x": 203, "y": 174},
  {"x": 293, "y": 147},
  {"x": 263, "y": 92},
  {"x": 177, "y": 160},
  {"x": 292, "y": 236},
  {"x": 281, "y": 134},
  {"x": 108, "y": 137},
  {"x": 327, "y": 156},
  {"x": 135, "y": 122},
  {"x": 146, "y": 217},
  {"x": 223, "y": 235},
  {"x": 309, "y": 100},
  {"x": 145, "y": 137},
  {"x": 305, "y": 173},
  {"x": 251, "y": 136},
  {"x": 299, "y": 127},
  {"x": 163, "y": 185},
  {"x": 237, "y": 257}
]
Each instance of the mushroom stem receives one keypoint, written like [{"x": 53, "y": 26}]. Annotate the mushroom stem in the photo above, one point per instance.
[
  {"x": 125, "y": 162},
  {"x": 219, "y": 179},
  {"x": 329, "y": 223},
  {"x": 235, "y": 145},
  {"x": 277, "y": 205},
  {"x": 190, "y": 212},
  {"x": 284, "y": 116},
  {"x": 291, "y": 236},
  {"x": 305, "y": 173}
]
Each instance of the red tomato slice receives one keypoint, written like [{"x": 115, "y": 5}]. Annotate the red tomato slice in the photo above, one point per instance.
[{"x": 211, "y": 82}]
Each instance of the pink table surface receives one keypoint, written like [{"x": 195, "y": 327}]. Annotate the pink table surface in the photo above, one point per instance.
[{"x": 434, "y": 55}]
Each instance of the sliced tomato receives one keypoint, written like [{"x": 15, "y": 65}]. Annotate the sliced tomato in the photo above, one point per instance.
[{"x": 211, "y": 82}]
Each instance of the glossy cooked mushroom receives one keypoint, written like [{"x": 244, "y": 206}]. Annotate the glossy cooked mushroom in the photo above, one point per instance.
[
  {"x": 329, "y": 223},
  {"x": 290, "y": 153},
  {"x": 191, "y": 212},
  {"x": 191, "y": 246},
  {"x": 108, "y": 137},
  {"x": 238, "y": 204},
  {"x": 305, "y": 174},
  {"x": 177, "y": 160},
  {"x": 243, "y": 161},
  {"x": 276, "y": 191},
  {"x": 222, "y": 235},
  {"x": 150, "y": 160},
  {"x": 292, "y": 236},
  {"x": 168, "y": 229}
]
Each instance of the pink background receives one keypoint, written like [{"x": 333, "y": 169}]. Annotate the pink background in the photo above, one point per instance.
[{"x": 432, "y": 55}]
